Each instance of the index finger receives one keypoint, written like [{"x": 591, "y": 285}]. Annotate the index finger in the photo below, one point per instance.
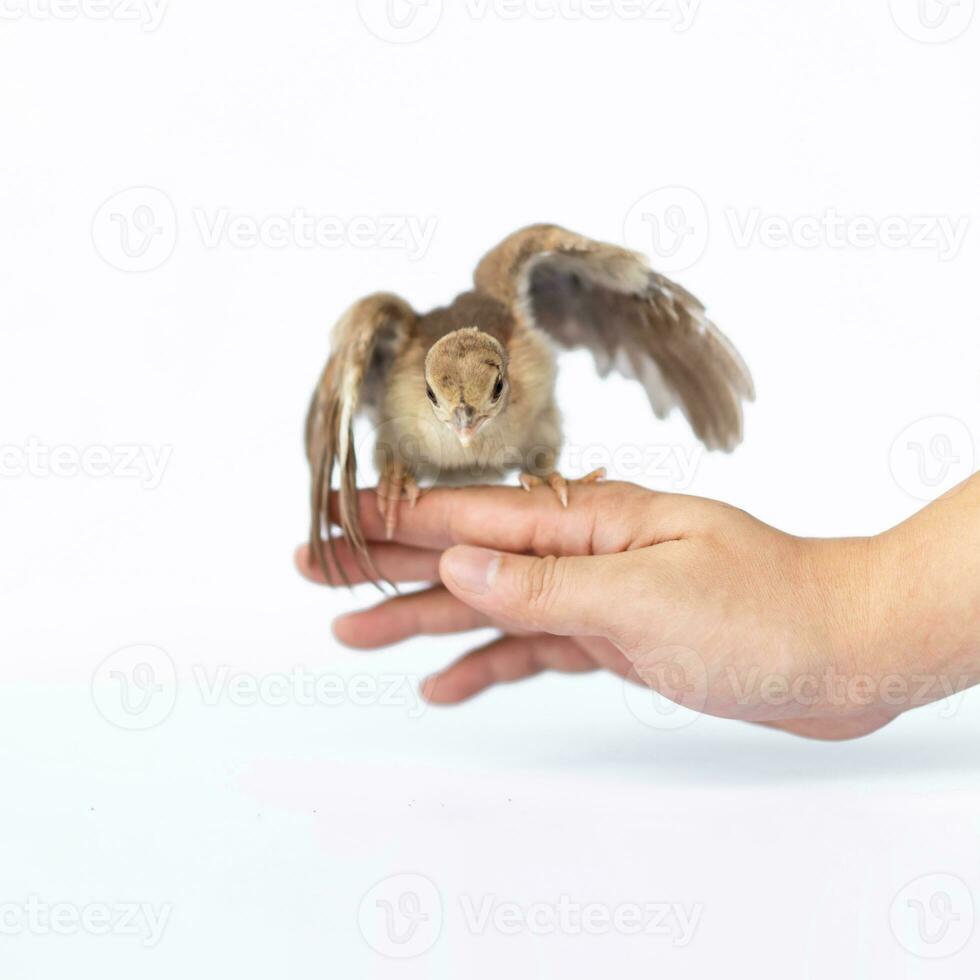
[{"x": 599, "y": 519}]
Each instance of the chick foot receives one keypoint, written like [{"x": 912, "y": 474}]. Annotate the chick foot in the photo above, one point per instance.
[
  {"x": 395, "y": 483},
  {"x": 559, "y": 484}
]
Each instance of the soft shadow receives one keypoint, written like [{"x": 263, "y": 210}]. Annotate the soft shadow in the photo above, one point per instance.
[{"x": 729, "y": 753}]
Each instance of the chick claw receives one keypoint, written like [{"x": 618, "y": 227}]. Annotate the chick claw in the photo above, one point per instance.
[
  {"x": 559, "y": 484},
  {"x": 395, "y": 482}
]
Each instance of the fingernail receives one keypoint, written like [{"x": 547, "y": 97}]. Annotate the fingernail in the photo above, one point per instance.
[{"x": 473, "y": 569}]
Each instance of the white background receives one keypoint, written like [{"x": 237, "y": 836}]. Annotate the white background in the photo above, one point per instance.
[{"x": 261, "y": 827}]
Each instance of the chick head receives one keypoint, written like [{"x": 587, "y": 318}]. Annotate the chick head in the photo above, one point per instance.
[{"x": 466, "y": 381}]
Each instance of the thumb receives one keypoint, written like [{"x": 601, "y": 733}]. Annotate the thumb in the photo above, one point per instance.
[{"x": 566, "y": 596}]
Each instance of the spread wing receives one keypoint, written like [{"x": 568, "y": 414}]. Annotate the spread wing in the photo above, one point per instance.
[
  {"x": 364, "y": 345},
  {"x": 588, "y": 294}
]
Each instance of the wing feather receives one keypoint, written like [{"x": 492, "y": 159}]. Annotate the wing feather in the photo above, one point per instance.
[
  {"x": 633, "y": 320},
  {"x": 364, "y": 345}
]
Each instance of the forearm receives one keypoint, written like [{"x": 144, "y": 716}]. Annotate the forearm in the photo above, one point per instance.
[{"x": 928, "y": 605}]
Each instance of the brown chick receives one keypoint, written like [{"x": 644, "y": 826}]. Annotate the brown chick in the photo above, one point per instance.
[{"x": 466, "y": 392}]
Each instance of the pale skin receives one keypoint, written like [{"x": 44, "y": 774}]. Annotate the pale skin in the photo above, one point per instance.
[{"x": 826, "y": 638}]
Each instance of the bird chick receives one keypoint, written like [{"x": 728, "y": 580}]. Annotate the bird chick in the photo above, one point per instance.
[{"x": 466, "y": 392}]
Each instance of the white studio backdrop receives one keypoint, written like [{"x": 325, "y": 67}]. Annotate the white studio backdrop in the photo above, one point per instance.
[{"x": 190, "y": 194}]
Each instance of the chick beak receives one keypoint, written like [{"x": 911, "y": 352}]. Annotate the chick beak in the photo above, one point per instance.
[{"x": 465, "y": 425}]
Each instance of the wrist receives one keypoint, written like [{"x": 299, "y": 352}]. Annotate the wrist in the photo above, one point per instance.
[{"x": 850, "y": 600}]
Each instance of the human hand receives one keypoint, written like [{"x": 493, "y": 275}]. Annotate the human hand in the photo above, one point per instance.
[{"x": 699, "y": 600}]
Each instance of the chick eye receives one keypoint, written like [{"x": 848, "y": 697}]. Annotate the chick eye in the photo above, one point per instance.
[
  {"x": 430, "y": 394},
  {"x": 498, "y": 389}
]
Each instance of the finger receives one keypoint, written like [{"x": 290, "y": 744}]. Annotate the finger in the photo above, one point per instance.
[
  {"x": 396, "y": 562},
  {"x": 431, "y": 612},
  {"x": 566, "y": 596},
  {"x": 600, "y": 519},
  {"x": 503, "y": 661}
]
